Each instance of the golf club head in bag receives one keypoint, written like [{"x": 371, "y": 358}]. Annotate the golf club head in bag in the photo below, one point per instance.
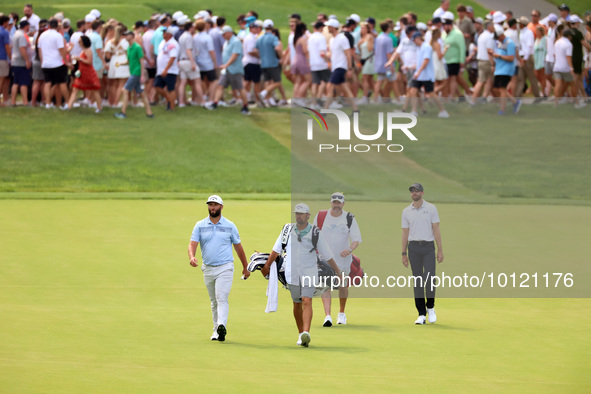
[{"x": 258, "y": 260}]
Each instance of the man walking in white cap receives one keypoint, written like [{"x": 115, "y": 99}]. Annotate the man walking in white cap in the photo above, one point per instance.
[
  {"x": 217, "y": 235},
  {"x": 301, "y": 267}
]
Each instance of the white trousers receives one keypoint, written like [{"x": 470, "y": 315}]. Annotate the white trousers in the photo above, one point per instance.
[{"x": 218, "y": 281}]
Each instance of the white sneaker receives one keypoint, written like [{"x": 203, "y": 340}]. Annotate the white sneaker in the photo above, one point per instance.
[
  {"x": 421, "y": 320},
  {"x": 335, "y": 105},
  {"x": 443, "y": 114},
  {"x": 182, "y": 105},
  {"x": 306, "y": 339},
  {"x": 76, "y": 105},
  {"x": 363, "y": 101},
  {"x": 327, "y": 321},
  {"x": 262, "y": 95},
  {"x": 282, "y": 103},
  {"x": 64, "y": 107},
  {"x": 215, "y": 335},
  {"x": 580, "y": 105},
  {"x": 414, "y": 113},
  {"x": 48, "y": 106},
  {"x": 222, "y": 104},
  {"x": 299, "y": 342},
  {"x": 342, "y": 318},
  {"x": 432, "y": 315}
]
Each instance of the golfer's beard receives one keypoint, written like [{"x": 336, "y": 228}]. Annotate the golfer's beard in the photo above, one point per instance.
[
  {"x": 214, "y": 214},
  {"x": 416, "y": 198},
  {"x": 337, "y": 211},
  {"x": 301, "y": 222}
]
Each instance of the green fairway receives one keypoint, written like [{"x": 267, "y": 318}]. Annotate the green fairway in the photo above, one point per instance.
[{"x": 98, "y": 296}]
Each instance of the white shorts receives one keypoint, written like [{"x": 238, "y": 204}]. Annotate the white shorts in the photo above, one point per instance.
[{"x": 186, "y": 70}]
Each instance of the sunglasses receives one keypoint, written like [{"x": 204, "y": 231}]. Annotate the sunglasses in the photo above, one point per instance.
[{"x": 337, "y": 197}]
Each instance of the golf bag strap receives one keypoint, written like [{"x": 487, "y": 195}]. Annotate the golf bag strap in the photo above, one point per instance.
[
  {"x": 285, "y": 233},
  {"x": 315, "y": 236},
  {"x": 321, "y": 217}
]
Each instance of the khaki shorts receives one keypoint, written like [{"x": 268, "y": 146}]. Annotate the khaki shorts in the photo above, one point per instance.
[
  {"x": 4, "y": 68},
  {"x": 484, "y": 70},
  {"x": 186, "y": 70}
]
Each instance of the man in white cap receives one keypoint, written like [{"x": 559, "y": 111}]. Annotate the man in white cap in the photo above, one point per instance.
[
  {"x": 504, "y": 56},
  {"x": 301, "y": 267},
  {"x": 96, "y": 13},
  {"x": 342, "y": 233},
  {"x": 550, "y": 39},
  {"x": 526, "y": 60},
  {"x": 217, "y": 235}
]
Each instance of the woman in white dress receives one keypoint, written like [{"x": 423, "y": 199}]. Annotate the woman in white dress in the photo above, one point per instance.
[
  {"x": 118, "y": 67},
  {"x": 438, "y": 54},
  {"x": 366, "y": 48}
]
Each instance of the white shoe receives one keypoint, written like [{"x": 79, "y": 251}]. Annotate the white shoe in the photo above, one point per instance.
[
  {"x": 335, "y": 105},
  {"x": 363, "y": 101},
  {"x": 580, "y": 105},
  {"x": 48, "y": 106},
  {"x": 222, "y": 104},
  {"x": 76, "y": 105},
  {"x": 282, "y": 103},
  {"x": 421, "y": 320},
  {"x": 306, "y": 339},
  {"x": 413, "y": 113},
  {"x": 327, "y": 321},
  {"x": 299, "y": 342},
  {"x": 262, "y": 95},
  {"x": 64, "y": 107},
  {"x": 342, "y": 318},
  {"x": 93, "y": 105},
  {"x": 432, "y": 315},
  {"x": 443, "y": 114},
  {"x": 182, "y": 105},
  {"x": 215, "y": 335}
]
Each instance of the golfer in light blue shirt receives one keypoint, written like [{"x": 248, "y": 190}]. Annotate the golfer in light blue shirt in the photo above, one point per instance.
[{"x": 217, "y": 235}]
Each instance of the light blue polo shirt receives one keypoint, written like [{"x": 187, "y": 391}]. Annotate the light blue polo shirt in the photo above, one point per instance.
[
  {"x": 503, "y": 67},
  {"x": 216, "y": 240},
  {"x": 266, "y": 46},
  {"x": 157, "y": 38},
  {"x": 426, "y": 52},
  {"x": 233, "y": 45}
]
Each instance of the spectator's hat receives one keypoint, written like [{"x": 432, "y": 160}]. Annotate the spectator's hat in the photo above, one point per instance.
[
  {"x": 181, "y": 20},
  {"x": 422, "y": 26},
  {"x": 227, "y": 29},
  {"x": 356, "y": 18},
  {"x": 332, "y": 23},
  {"x": 172, "y": 30},
  {"x": 523, "y": 20},
  {"x": 479, "y": 20},
  {"x": 215, "y": 198},
  {"x": 499, "y": 17},
  {"x": 499, "y": 30},
  {"x": 416, "y": 35},
  {"x": 89, "y": 18},
  {"x": 575, "y": 19},
  {"x": 448, "y": 15},
  {"x": 66, "y": 22},
  {"x": 371, "y": 21},
  {"x": 397, "y": 26},
  {"x": 301, "y": 208},
  {"x": 564, "y": 7},
  {"x": 469, "y": 9},
  {"x": 96, "y": 13},
  {"x": 267, "y": 23},
  {"x": 552, "y": 17},
  {"x": 177, "y": 15}
]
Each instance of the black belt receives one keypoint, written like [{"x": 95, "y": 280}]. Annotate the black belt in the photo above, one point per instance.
[{"x": 421, "y": 242}]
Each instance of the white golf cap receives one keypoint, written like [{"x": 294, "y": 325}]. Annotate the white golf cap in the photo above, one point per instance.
[
  {"x": 332, "y": 16},
  {"x": 227, "y": 29},
  {"x": 448, "y": 15},
  {"x": 301, "y": 208},
  {"x": 59, "y": 16},
  {"x": 421, "y": 26},
  {"x": 96, "y": 13},
  {"x": 182, "y": 20},
  {"x": 67, "y": 22},
  {"x": 172, "y": 30},
  {"x": 552, "y": 17},
  {"x": 267, "y": 23},
  {"x": 215, "y": 198},
  {"x": 177, "y": 15},
  {"x": 337, "y": 196},
  {"x": 575, "y": 19},
  {"x": 355, "y": 17},
  {"x": 397, "y": 26},
  {"x": 89, "y": 18},
  {"x": 201, "y": 15},
  {"x": 332, "y": 23},
  {"x": 499, "y": 17},
  {"x": 478, "y": 20},
  {"x": 499, "y": 30}
]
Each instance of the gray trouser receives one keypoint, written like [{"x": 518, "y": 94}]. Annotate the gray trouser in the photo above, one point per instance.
[
  {"x": 527, "y": 71},
  {"x": 422, "y": 262}
]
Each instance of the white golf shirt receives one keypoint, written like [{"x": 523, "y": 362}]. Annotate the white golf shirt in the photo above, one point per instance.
[
  {"x": 420, "y": 221},
  {"x": 339, "y": 237},
  {"x": 338, "y": 57}
]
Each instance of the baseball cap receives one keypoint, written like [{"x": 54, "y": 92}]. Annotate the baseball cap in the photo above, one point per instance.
[
  {"x": 575, "y": 19},
  {"x": 416, "y": 35},
  {"x": 499, "y": 30},
  {"x": 417, "y": 186},
  {"x": 256, "y": 23},
  {"x": 499, "y": 17},
  {"x": 332, "y": 16},
  {"x": 552, "y": 17},
  {"x": 267, "y": 23},
  {"x": 564, "y": 7},
  {"x": 89, "y": 18},
  {"x": 215, "y": 198},
  {"x": 66, "y": 22},
  {"x": 172, "y": 30},
  {"x": 469, "y": 9},
  {"x": 181, "y": 20},
  {"x": 448, "y": 15},
  {"x": 435, "y": 20},
  {"x": 177, "y": 15},
  {"x": 371, "y": 20},
  {"x": 421, "y": 26},
  {"x": 227, "y": 29},
  {"x": 332, "y": 23},
  {"x": 479, "y": 20},
  {"x": 523, "y": 20},
  {"x": 337, "y": 196},
  {"x": 397, "y": 26},
  {"x": 355, "y": 17},
  {"x": 129, "y": 33},
  {"x": 96, "y": 13},
  {"x": 301, "y": 208}
]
